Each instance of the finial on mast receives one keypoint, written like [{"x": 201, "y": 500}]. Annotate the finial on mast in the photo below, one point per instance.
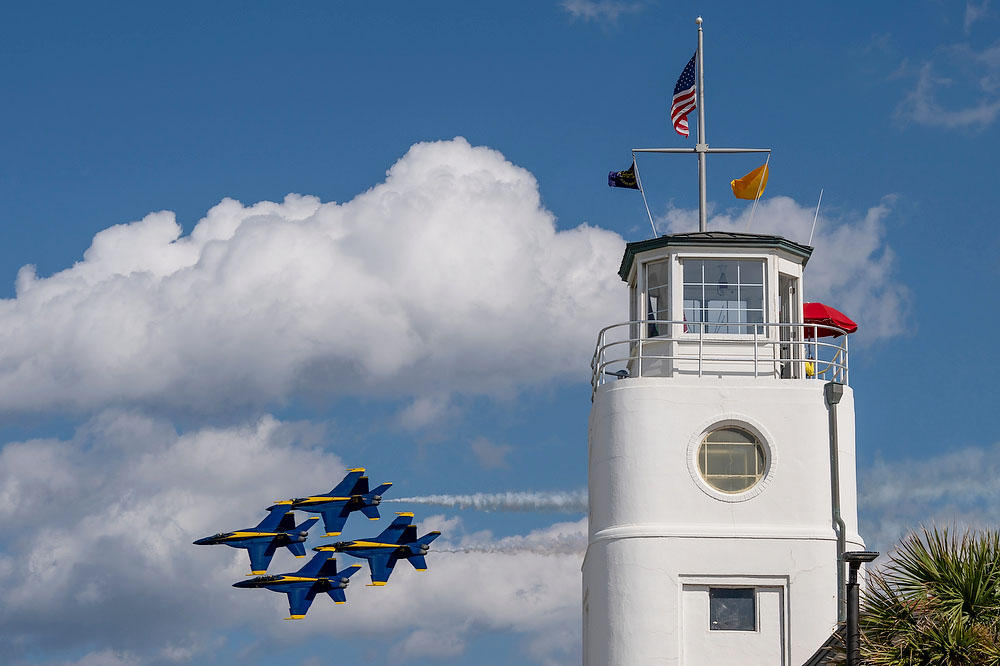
[{"x": 698, "y": 21}]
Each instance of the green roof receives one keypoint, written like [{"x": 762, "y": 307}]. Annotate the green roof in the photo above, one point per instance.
[{"x": 711, "y": 238}]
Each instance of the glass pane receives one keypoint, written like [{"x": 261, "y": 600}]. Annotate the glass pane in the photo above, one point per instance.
[
  {"x": 720, "y": 272},
  {"x": 656, "y": 274},
  {"x": 752, "y": 296},
  {"x": 692, "y": 293},
  {"x": 731, "y": 460},
  {"x": 751, "y": 272},
  {"x": 731, "y": 435},
  {"x": 658, "y": 303},
  {"x": 732, "y": 609},
  {"x": 692, "y": 270}
]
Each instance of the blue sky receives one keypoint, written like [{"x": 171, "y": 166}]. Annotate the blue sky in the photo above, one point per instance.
[{"x": 423, "y": 293}]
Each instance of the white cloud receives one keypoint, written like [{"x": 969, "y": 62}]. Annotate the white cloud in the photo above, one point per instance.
[
  {"x": 595, "y": 10},
  {"x": 967, "y": 96},
  {"x": 959, "y": 488},
  {"x": 490, "y": 455},
  {"x": 922, "y": 104},
  {"x": 974, "y": 13},
  {"x": 97, "y": 551},
  {"x": 411, "y": 287},
  {"x": 852, "y": 267}
]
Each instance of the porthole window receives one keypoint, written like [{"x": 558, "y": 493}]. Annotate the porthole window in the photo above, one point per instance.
[{"x": 731, "y": 460}]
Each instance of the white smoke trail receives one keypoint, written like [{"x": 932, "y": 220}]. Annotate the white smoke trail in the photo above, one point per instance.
[
  {"x": 563, "y": 544},
  {"x": 561, "y": 502}
]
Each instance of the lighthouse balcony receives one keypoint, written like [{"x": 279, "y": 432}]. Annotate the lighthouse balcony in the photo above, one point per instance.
[{"x": 661, "y": 348}]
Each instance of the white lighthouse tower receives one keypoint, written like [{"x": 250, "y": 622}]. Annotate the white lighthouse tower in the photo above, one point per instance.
[
  {"x": 721, "y": 461},
  {"x": 722, "y": 481}
]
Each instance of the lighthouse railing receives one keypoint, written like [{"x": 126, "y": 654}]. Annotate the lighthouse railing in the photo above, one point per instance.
[{"x": 663, "y": 348}]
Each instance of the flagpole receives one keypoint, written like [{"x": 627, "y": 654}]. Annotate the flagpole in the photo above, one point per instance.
[
  {"x": 638, "y": 181},
  {"x": 701, "y": 146}
]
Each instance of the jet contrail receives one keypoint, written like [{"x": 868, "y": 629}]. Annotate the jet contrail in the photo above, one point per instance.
[{"x": 561, "y": 502}]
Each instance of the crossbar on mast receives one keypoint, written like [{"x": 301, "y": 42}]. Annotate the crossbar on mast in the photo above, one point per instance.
[
  {"x": 695, "y": 150},
  {"x": 701, "y": 148}
]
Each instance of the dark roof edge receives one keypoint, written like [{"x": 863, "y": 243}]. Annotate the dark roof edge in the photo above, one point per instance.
[{"x": 717, "y": 238}]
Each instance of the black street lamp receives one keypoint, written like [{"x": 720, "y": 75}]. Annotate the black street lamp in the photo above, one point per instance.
[{"x": 855, "y": 559}]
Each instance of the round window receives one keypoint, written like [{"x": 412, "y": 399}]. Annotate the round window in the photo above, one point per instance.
[{"x": 731, "y": 460}]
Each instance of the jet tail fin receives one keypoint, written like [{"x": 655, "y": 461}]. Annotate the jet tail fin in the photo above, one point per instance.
[
  {"x": 298, "y": 548},
  {"x": 381, "y": 489},
  {"x": 371, "y": 512},
  {"x": 313, "y": 566},
  {"x": 338, "y": 596},
  {"x": 427, "y": 538},
  {"x": 418, "y": 562},
  {"x": 306, "y": 525}
]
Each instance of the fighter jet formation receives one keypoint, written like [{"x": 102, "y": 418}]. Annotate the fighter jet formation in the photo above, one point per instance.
[{"x": 278, "y": 530}]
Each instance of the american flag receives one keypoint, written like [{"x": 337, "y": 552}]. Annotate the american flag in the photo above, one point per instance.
[{"x": 684, "y": 96}]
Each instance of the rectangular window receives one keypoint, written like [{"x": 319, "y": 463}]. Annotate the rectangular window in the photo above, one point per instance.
[
  {"x": 657, "y": 296},
  {"x": 732, "y": 609},
  {"x": 723, "y": 295}
]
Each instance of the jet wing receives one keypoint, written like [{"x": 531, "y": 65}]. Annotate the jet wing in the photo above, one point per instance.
[
  {"x": 381, "y": 567},
  {"x": 299, "y": 601},
  {"x": 261, "y": 553},
  {"x": 334, "y": 518}
]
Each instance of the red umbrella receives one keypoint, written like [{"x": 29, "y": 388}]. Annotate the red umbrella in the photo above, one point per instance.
[{"x": 824, "y": 315}]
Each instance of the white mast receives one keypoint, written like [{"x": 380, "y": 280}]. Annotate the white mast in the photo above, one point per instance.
[{"x": 702, "y": 146}]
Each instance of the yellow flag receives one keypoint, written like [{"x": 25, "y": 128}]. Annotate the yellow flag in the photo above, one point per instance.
[{"x": 751, "y": 185}]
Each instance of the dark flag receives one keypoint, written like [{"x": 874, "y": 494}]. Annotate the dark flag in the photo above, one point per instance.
[{"x": 624, "y": 178}]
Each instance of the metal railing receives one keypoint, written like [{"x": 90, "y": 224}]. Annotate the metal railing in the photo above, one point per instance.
[{"x": 660, "y": 348}]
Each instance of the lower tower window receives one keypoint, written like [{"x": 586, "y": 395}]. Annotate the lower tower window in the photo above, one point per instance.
[{"x": 732, "y": 609}]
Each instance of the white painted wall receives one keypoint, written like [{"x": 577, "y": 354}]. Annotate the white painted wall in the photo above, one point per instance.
[{"x": 656, "y": 527}]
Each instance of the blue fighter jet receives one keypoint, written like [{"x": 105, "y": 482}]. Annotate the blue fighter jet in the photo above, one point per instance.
[
  {"x": 317, "y": 576},
  {"x": 349, "y": 495},
  {"x": 398, "y": 542},
  {"x": 276, "y": 531}
]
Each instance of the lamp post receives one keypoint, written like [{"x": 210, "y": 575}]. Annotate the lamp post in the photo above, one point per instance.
[{"x": 855, "y": 559}]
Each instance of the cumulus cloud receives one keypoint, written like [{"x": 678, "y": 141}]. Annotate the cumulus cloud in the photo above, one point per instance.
[
  {"x": 960, "y": 488},
  {"x": 600, "y": 10},
  {"x": 97, "y": 551},
  {"x": 956, "y": 86},
  {"x": 852, "y": 267},
  {"x": 411, "y": 286}
]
